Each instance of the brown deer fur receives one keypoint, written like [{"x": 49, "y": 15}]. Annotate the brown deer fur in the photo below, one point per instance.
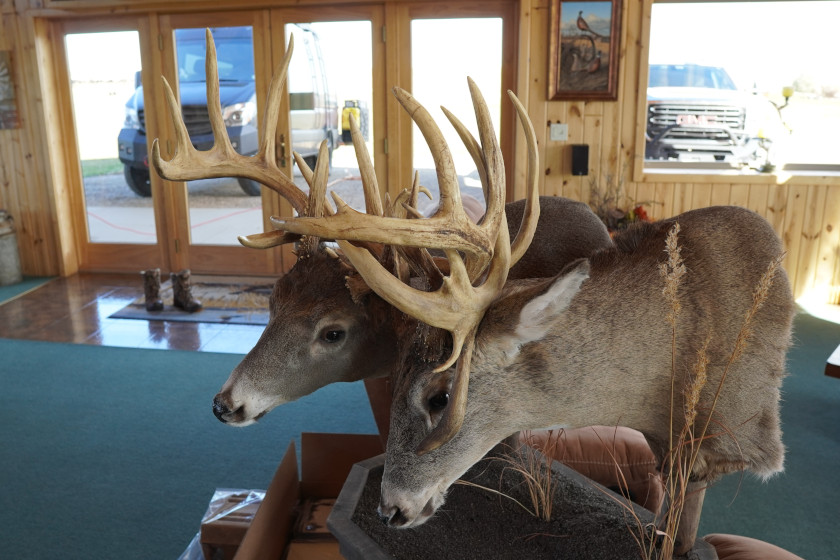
[{"x": 591, "y": 347}]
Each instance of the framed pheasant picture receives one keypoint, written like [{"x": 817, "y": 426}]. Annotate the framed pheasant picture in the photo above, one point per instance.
[
  {"x": 8, "y": 107},
  {"x": 583, "y": 60}
]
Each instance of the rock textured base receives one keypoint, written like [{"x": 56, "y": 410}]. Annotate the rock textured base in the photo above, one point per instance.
[{"x": 588, "y": 520}]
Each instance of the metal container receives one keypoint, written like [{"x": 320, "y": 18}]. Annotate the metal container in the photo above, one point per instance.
[{"x": 9, "y": 255}]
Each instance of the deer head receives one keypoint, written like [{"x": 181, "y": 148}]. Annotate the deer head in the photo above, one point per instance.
[
  {"x": 474, "y": 280},
  {"x": 309, "y": 329},
  {"x": 326, "y": 325}
]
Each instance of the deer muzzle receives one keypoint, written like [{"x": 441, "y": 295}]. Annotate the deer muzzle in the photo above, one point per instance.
[
  {"x": 234, "y": 413},
  {"x": 403, "y": 511}
]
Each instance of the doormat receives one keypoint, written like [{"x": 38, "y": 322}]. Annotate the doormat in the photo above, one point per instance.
[{"x": 240, "y": 304}]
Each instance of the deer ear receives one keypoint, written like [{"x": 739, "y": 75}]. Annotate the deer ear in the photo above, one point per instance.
[{"x": 538, "y": 315}]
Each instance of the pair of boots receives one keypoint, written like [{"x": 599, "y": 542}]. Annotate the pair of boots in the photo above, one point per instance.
[{"x": 181, "y": 291}]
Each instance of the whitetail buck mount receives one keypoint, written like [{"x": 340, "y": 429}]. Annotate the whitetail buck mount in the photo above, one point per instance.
[
  {"x": 591, "y": 346},
  {"x": 319, "y": 332}
]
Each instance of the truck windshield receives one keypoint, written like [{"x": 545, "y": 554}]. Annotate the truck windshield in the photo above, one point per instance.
[
  {"x": 689, "y": 75},
  {"x": 235, "y": 59}
]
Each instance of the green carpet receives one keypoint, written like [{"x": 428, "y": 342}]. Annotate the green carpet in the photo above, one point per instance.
[
  {"x": 28, "y": 283},
  {"x": 115, "y": 453},
  {"x": 797, "y": 510}
]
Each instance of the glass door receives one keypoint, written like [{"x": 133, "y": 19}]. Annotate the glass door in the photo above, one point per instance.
[
  {"x": 114, "y": 216},
  {"x": 435, "y": 85},
  {"x": 331, "y": 76},
  {"x": 329, "y": 79},
  {"x": 448, "y": 44},
  {"x": 208, "y": 215},
  {"x": 104, "y": 77}
]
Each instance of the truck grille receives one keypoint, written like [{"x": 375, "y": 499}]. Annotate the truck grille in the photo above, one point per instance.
[
  {"x": 195, "y": 117},
  {"x": 700, "y": 122}
]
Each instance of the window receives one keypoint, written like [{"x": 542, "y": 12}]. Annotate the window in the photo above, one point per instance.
[{"x": 743, "y": 85}]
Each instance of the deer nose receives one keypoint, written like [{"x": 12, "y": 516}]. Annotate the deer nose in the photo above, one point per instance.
[
  {"x": 220, "y": 409},
  {"x": 223, "y": 411},
  {"x": 391, "y": 516}
]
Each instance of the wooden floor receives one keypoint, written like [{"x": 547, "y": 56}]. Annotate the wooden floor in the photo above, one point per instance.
[{"x": 77, "y": 310}]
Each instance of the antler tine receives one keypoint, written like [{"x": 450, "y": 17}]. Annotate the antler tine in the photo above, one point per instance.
[
  {"x": 214, "y": 100},
  {"x": 531, "y": 215},
  {"x": 373, "y": 200},
  {"x": 473, "y": 148},
  {"x": 222, "y": 160},
  {"x": 318, "y": 204},
  {"x": 448, "y": 229},
  {"x": 532, "y": 208},
  {"x": 450, "y": 194},
  {"x": 408, "y": 199},
  {"x": 304, "y": 168},
  {"x": 493, "y": 161},
  {"x": 488, "y": 162},
  {"x": 268, "y": 239}
]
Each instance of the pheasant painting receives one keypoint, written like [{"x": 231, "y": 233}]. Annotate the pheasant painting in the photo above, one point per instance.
[{"x": 587, "y": 35}]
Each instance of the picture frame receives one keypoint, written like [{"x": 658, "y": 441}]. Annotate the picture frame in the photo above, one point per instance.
[
  {"x": 584, "y": 42},
  {"x": 8, "y": 104}
]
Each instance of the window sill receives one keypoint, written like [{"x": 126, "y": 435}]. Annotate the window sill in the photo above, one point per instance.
[{"x": 792, "y": 173}]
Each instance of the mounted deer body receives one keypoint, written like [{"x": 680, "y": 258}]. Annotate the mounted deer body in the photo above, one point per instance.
[
  {"x": 592, "y": 347},
  {"x": 319, "y": 332}
]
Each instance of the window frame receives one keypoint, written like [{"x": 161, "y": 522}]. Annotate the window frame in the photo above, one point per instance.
[{"x": 684, "y": 172}]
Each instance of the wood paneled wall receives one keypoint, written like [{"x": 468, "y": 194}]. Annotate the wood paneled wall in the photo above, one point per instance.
[
  {"x": 26, "y": 170},
  {"x": 805, "y": 211}
]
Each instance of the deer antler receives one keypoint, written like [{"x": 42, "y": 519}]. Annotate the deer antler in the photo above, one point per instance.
[
  {"x": 458, "y": 306},
  {"x": 222, "y": 160},
  {"x": 448, "y": 229}
]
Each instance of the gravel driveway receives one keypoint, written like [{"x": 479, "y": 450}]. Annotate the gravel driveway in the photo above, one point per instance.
[{"x": 111, "y": 190}]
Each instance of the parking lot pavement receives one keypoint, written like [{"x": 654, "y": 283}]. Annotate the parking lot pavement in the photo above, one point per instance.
[{"x": 219, "y": 210}]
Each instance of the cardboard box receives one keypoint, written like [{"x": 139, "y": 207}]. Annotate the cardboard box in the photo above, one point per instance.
[
  {"x": 291, "y": 521},
  {"x": 227, "y": 520}
]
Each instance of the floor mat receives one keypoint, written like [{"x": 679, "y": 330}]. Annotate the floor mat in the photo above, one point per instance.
[{"x": 243, "y": 304}]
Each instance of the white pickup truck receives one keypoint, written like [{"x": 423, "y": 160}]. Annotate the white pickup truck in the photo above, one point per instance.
[{"x": 696, "y": 113}]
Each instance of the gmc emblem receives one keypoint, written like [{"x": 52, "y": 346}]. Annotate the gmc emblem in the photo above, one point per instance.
[{"x": 695, "y": 119}]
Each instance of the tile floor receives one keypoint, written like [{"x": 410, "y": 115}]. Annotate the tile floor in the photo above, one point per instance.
[{"x": 76, "y": 310}]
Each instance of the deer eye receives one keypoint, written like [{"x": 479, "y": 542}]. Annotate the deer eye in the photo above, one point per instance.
[
  {"x": 438, "y": 402},
  {"x": 332, "y": 335}
]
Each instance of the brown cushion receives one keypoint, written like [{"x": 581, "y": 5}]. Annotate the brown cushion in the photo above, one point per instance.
[
  {"x": 599, "y": 453},
  {"x": 734, "y": 547}
]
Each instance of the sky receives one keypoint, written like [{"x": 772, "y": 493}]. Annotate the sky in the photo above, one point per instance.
[
  {"x": 769, "y": 44},
  {"x": 88, "y": 60}
]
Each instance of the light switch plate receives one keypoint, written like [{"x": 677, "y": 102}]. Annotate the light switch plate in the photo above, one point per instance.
[{"x": 559, "y": 132}]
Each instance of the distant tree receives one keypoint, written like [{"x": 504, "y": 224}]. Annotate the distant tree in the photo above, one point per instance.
[
  {"x": 830, "y": 90},
  {"x": 804, "y": 84}
]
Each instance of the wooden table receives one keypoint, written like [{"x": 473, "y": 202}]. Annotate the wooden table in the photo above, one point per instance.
[{"x": 832, "y": 366}]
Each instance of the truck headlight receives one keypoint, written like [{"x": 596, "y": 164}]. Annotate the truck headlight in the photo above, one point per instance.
[
  {"x": 131, "y": 119},
  {"x": 240, "y": 114}
]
